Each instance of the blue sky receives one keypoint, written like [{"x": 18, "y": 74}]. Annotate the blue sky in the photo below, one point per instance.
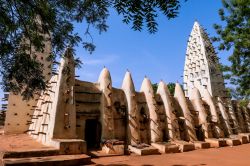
[{"x": 158, "y": 56}]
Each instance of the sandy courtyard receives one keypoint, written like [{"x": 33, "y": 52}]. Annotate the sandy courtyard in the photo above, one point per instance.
[{"x": 226, "y": 156}]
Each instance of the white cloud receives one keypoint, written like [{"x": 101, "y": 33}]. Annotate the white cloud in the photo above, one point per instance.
[{"x": 104, "y": 59}]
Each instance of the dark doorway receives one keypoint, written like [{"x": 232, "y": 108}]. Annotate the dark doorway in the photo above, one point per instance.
[{"x": 93, "y": 133}]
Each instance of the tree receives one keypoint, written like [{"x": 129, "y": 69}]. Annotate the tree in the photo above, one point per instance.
[
  {"x": 171, "y": 87},
  {"x": 155, "y": 87},
  {"x": 236, "y": 35},
  {"x": 26, "y": 25}
]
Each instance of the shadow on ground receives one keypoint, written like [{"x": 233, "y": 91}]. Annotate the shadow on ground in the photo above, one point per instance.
[{"x": 122, "y": 165}]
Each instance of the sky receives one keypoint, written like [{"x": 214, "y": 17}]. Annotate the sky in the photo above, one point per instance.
[{"x": 159, "y": 56}]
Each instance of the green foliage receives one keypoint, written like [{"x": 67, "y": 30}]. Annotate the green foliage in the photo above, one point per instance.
[
  {"x": 244, "y": 103},
  {"x": 236, "y": 35},
  {"x": 171, "y": 87},
  {"x": 145, "y": 11},
  {"x": 27, "y": 25},
  {"x": 155, "y": 87},
  {"x": 29, "y": 74}
]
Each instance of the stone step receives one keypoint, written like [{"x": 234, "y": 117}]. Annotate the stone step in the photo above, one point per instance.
[
  {"x": 184, "y": 146},
  {"x": 166, "y": 147},
  {"x": 245, "y": 134},
  {"x": 29, "y": 153},
  {"x": 243, "y": 139},
  {"x": 201, "y": 145},
  {"x": 216, "y": 143},
  {"x": 59, "y": 160},
  {"x": 115, "y": 149},
  {"x": 233, "y": 141},
  {"x": 100, "y": 153},
  {"x": 143, "y": 151},
  {"x": 70, "y": 146}
]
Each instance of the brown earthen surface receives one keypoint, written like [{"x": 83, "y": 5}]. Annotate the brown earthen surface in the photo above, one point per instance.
[
  {"x": 226, "y": 156},
  {"x": 60, "y": 160},
  {"x": 20, "y": 142}
]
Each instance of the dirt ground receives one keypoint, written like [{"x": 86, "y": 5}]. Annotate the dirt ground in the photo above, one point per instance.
[
  {"x": 20, "y": 142},
  {"x": 226, "y": 156}
]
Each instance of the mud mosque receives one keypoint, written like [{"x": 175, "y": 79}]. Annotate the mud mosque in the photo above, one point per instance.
[{"x": 75, "y": 116}]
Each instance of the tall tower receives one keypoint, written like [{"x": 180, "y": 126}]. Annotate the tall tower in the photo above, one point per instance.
[
  {"x": 20, "y": 112},
  {"x": 201, "y": 68}
]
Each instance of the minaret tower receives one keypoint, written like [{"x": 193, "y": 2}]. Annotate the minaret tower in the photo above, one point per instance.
[
  {"x": 201, "y": 68},
  {"x": 20, "y": 112}
]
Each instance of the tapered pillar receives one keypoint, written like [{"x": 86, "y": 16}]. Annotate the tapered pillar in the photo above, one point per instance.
[
  {"x": 133, "y": 115},
  {"x": 214, "y": 115},
  {"x": 247, "y": 118},
  {"x": 172, "y": 122},
  {"x": 65, "y": 115},
  {"x": 179, "y": 96},
  {"x": 105, "y": 85},
  {"x": 54, "y": 120},
  {"x": 195, "y": 98},
  {"x": 155, "y": 129},
  {"x": 221, "y": 106},
  {"x": 55, "y": 114},
  {"x": 232, "y": 116}
]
